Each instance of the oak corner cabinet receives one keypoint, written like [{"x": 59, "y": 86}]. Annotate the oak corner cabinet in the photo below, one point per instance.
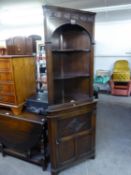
[
  {"x": 69, "y": 46},
  {"x": 17, "y": 81}
]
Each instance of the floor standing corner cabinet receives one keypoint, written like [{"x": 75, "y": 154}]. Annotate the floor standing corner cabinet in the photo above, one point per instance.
[{"x": 69, "y": 45}]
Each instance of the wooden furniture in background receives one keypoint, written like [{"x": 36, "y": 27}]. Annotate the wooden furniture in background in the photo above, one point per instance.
[
  {"x": 3, "y": 51},
  {"x": 17, "y": 81},
  {"x": 24, "y": 136},
  {"x": 34, "y": 38},
  {"x": 19, "y": 46},
  {"x": 69, "y": 45}
]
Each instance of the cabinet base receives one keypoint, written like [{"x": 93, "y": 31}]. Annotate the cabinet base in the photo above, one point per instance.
[
  {"x": 17, "y": 111},
  {"x": 36, "y": 159}
]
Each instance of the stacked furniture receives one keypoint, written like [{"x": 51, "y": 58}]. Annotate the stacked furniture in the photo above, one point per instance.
[
  {"x": 120, "y": 83},
  {"x": 67, "y": 126},
  {"x": 19, "y": 46}
]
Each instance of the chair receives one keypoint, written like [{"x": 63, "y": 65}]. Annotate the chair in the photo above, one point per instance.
[
  {"x": 120, "y": 88},
  {"x": 121, "y": 71},
  {"x": 120, "y": 83}
]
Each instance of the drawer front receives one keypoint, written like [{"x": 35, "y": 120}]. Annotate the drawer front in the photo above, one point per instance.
[
  {"x": 5, "y": 64},
  {"x": 6, "y": 76},
  {"x": 7, "y": 89},
  {"x": 7, "y": 99},
  {"x": 75, "y": 124}
]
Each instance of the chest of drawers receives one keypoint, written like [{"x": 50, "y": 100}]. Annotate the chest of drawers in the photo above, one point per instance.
[{"x": 17, "y": 81}]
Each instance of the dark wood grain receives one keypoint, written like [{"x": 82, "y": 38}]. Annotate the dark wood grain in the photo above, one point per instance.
[
  {"x": 19, "y": 46},
  {"x": 69, "y": 38},
  {"x": 71, "y": 134},
  {"x": 69, "y": 43}
]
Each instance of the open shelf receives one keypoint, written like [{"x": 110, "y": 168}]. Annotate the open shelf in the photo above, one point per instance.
[
  {"x": 71, "y": 65},
  {"x": 71, "y": 98},
  {"x": 71, "y": 75},
  {"x": 70, "y": 50},
  {"x": 71, "y": 89}
]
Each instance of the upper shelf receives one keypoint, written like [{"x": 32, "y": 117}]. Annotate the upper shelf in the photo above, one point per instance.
[
  {"x": 71, "y": 75},
  {"x": 70, "y": 50}
]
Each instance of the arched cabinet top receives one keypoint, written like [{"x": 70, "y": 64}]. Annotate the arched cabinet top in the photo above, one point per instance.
[
  {"x": 71, "y": 36},
  {"x": 54, "y": 17}
]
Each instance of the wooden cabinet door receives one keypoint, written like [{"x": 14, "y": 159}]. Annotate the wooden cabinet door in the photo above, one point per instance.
[
  {"x": 71, "y": 136},
  {"x": 19, "y": 45},
  {"x": 74, "y": 137}
]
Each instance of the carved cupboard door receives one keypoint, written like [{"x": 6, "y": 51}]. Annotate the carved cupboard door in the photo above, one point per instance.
[{"x": 72, "y": 135}]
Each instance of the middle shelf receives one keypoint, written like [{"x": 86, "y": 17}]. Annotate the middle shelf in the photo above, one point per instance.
[{"x": 71, "y": 75}]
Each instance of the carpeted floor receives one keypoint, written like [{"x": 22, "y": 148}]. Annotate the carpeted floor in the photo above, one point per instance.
[{"x": 113, "y": 144}]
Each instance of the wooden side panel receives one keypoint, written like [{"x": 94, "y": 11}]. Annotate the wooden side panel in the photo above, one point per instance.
[
  {"x": 24, "y": 78},
  {"x": 19, "y": 134}
]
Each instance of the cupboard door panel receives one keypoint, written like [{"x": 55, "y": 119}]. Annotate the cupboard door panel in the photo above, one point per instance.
[
  {"x": 66, "y": 151},
  {"x": 71, "y": 134},
  {"x": 73, "y": 125},
  {"x": 84, "y": 144}
]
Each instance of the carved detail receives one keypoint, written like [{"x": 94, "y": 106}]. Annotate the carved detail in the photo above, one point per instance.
[
  {"x": 69, "y": 16},
  {"x": 90, "y": 18},
  {"x": 75, "y": 125},
  {"x": 58, "y": 14},
  {"x": 83, "y": 18},
  {"x": 75, "y": 16}
]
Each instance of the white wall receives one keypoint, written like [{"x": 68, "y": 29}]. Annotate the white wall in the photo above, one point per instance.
[
  {"x": 21, "y": 20},
  {"x": 113, "y": 39},
  {"x": 112, "y": 31}
]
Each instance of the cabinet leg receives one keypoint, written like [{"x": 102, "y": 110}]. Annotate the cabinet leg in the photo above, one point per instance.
[
  {"x": 28, "y": 154},
  {"x": 17, "y": 111},
  {"x": 2, "y": 150},
  {"x": 44, "y": 165},
  {"x": 54, "y": 173},
  {"x": 93, "y": 157}
]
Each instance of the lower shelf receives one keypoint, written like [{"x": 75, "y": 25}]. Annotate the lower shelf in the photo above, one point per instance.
[{"x": 32, "y": 157}]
